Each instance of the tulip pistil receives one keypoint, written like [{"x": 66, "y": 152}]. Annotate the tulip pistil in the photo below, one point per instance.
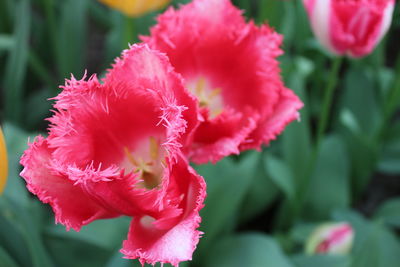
[
  {"x": 148, "y": 169},
  {"x": 208, "y": 98}
]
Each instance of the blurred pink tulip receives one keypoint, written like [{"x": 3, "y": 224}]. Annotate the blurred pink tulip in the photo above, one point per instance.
[{"x": 350, "y": 27}]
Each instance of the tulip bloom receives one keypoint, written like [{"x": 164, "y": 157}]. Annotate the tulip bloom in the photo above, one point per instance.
[
  {"x": 114, "y": 149},
  {"x": 350, "y": 27},
  {"x": 334, "y": 238},
  {"x": 231, "y": 67},
  {"x": 136, "y": 8},
  {"x": 3, "y": 162}
]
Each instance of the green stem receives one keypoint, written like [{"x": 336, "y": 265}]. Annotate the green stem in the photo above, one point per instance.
[
  {"x": 128, "y": 35},
  {"x": 330, "y": 88},
  {"x": 322, "y": 125}
]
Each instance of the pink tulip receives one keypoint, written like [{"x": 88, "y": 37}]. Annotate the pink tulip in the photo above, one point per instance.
[
  {"x": 114, "y": 149},
  {"x": 231, "y": 67},
  {"x": 350, "y": 27}
]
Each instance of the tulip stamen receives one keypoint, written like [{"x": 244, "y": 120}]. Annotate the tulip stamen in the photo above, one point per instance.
[
  {"x": 147, "y": 170},
  {"x": 208, "y": 97}
]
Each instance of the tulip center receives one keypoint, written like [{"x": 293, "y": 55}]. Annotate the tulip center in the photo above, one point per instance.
[
  {"x": 146, "y": 162},
  {"x": 207, "y": 96}
]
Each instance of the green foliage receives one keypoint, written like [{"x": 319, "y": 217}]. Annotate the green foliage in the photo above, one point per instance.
[
  {"x": 252, "y": 250},
  {"x": 302, "y": 260},
  {"x": 225, "y": 193},
  {"x": 374, "y": 245},
  {"x": 330, "y": 184},
  {"x": 389, "y": 212}
]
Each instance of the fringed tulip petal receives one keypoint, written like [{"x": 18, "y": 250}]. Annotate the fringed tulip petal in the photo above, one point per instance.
[
  {"x": 231, "y": 67},
  {"x": 154, "y": 73},
  {"x": 70, "y": 203},
  {"x": 284, "y": 113},
  {"x": 212, "y": 146}
]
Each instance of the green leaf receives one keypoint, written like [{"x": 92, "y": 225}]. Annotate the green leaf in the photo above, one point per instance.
[
  {"x": 385, "y": 78},
  {"x": 296, "y": 141},
  {"x": 359, "y": 92},
  {"x": 374, "y": 244},
  {"x": 281, "y": 175},
  {"x": 6, "y": 259},
  {"x": 11, "y": 238},
  {"x": 6, "y": 42},
  {"x": 117, "y": 260},
  {"x": 390, "y": 155},
  {"x": 17, "y": 63},
  {"x": 250, "y": 250},
  {"x": 389, "y": 212},
  {"x": 107, "y": 234},
  {"x": 262, "y": 192},
  {"x": 16, "y": 141},
  {"x": 68, "y": 252},
  {"x": 362, "y": 156},
  {"x": 321, "y": 260},
  {"x": 288, "y": 25},
  {"x": 348, "y": 119},
  {"x": 329, "y": 184},
  {"x": 39, "y": 107},
  {"x": 301, "y": 232},
  {"x": 227, "y": 185},
  {"x": 389, "y": 249},
  {"x": 71, "y": 36},
  {"x": 30, "y": 231}
]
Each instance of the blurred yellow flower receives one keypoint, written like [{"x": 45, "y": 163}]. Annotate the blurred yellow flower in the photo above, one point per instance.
[
  {"x": 3, "y": 162},
  {"x": 136, "y": 8}
]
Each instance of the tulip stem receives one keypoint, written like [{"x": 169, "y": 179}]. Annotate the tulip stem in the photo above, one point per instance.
[
  {"x": 128, "y": 32},
  {"x": 328, "y": 99},
  {"x": 322, "y": 125}
]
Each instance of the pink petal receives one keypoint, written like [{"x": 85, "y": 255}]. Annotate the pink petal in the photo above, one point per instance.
[
  {"x": 72, "y": 206},
  {"x": 170, "y": 240},
  {"x": 285, "y": 111},
  {"x": 210, "y": 144},
  {"x": 153, "y": 72}
]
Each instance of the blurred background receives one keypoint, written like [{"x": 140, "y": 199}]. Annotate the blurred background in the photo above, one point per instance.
[{"x": 252, "y": 216}]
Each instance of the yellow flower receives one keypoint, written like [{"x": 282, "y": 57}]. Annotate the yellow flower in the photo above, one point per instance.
[
  {"x": 3, "y": 162},
  {"x": 136, "y": 8}
]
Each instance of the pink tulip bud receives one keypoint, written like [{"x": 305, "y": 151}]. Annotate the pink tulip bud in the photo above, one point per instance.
[
  {"x": 350, "y": 27},
  {"x": 332, "y": 238}
]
